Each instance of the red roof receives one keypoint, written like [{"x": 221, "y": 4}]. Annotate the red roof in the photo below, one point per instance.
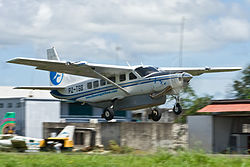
[{"x": 226, "y": 108}]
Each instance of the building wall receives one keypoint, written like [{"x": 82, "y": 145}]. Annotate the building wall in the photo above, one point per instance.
[
  {"x": 222, "y": 131},
  {"x": 200, "y": 132},
  {"x": 37, "y": 112},
  {"x": 14, "y": 105},
  {"x": 213, "y": 133},
  {"x": 143, "y": 136},
  {"x": 76, "y": 112}
]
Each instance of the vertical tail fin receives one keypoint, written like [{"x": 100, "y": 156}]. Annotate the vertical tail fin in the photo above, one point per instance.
[
  {"x": 8, "y": 124},
  {"x": 52, "y": 54},
  {"x": 68, "y": 131},
  {"x": 56, "y": 78}
]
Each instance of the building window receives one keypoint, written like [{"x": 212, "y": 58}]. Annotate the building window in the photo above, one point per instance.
[
  {"x": 132, "y": 76},
  {"x": 102, "y": 82},
  {"x": 9, "y": 105},
  {"x": 18, "y": 105},
  {"x": 246, "y": 128},
  {"x": 89, "y": 85},
  {"x": 96, "y": 84},
  {"x": 122, "y": 77},
  {"x": 1, "y": 105}
]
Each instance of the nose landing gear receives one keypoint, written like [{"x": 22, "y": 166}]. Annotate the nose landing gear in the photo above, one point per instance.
[{"x": 177, "y": 109}]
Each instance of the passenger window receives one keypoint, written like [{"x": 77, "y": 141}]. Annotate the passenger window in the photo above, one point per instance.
[
  {"x": 102, "y": 82},
  {"x": 132, "y": 76},
  {"x": 122, "y": 77},
  {"x": 96, "y": 84},
  {"x": 112, "y": 78},
  {"x": 89, "y": 85}
]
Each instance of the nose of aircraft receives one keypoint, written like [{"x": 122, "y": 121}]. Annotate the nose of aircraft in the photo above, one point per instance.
[{"x": 187, "y": 77}]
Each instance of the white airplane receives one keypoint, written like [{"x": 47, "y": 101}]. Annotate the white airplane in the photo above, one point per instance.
[
  {"x": 115, "y": 87},
  {"x": 22, "y": 143}
]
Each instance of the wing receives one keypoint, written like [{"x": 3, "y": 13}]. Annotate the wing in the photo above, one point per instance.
[
  {"x": 199, "y": 70},
  {"x": 19, "y": 144},
  {"x": 74, "y": 68}
]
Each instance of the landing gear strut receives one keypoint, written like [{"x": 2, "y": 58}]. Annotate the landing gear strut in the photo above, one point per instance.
[
  {"x": 155, "y": 115},
  {"x": 108, "y": 113},
  {"x": 177, "y": 107}
]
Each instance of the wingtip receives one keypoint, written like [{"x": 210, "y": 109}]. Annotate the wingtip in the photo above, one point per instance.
[{"x": 13, "y": 60}]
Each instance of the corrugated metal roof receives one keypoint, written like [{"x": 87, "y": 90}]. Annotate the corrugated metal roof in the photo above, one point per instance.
[
  {"x": 240, "y": 107},
  {"x": 9, "y": 92}
]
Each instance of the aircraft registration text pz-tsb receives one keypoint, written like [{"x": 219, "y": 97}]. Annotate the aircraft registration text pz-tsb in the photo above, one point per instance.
[{"x": 115, "y": 87}]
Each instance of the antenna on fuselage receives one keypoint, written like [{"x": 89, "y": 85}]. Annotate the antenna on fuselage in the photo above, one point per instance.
[
  {"x": 128, "y": 64},
  {"x": 181, "y": 41}
]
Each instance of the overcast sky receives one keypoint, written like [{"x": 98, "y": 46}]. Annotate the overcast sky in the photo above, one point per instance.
[{"x": 216, "y": 33}]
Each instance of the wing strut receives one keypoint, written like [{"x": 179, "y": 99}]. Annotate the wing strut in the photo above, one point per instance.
[
  {"x": 115, "y": 84},
  {"x": 162, "y": 93}
]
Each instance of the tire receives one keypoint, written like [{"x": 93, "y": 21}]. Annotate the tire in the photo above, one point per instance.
[
  {"x": 156, "y": 115},
  {"x": 177, "y": 109},
  {"x": 108, "y": 114}
]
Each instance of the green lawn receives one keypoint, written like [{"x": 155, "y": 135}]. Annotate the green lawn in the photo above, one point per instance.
[{"x": 184, "y": 159}]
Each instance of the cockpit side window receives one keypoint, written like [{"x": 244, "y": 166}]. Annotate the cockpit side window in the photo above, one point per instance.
[
  {"x": 132, "y": 76},
  {"x": 144, "y": 71}
]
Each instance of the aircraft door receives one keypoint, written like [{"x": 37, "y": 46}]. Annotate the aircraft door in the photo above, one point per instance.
[{"x": 176, "y": 83}]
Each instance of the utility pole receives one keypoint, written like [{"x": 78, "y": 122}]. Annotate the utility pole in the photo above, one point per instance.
[
  {"x": 118, "y": 48},
  {"x": 181, "y": 41}
]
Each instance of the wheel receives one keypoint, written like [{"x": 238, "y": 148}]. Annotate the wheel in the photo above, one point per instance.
[
  {"x": 108, "y": 114},
  {"x": 177, "y": 109},
  {"x": 155, "y": 115}
]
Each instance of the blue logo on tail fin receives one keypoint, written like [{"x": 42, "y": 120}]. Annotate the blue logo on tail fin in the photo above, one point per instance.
[{"x": 56, "y": 78}]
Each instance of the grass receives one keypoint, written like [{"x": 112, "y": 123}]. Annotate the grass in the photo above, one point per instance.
[{"x": 185, "y": 159}]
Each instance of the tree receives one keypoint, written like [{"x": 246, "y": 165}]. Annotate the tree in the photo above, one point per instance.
[
  {"x": 191, "y": 103},
  {"x": 242, "y": 87}
]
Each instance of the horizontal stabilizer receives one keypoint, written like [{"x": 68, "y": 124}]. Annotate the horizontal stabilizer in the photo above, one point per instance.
[{"x": 41, "y": 87}]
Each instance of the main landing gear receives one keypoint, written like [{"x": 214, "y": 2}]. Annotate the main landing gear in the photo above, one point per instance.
[
  {"x": 155, "y": 114},
  {"x": 108, "y": 113}
]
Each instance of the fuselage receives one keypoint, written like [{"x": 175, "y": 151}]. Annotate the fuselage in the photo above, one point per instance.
[
  {"x": 140, "y": 81},
  {"x": 31, "y": 143}
]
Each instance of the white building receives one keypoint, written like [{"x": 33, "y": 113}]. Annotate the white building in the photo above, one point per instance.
[{"x": 32, "y": 108}]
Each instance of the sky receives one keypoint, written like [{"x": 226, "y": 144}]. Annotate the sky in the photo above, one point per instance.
[{"x": 216, "y": 33}]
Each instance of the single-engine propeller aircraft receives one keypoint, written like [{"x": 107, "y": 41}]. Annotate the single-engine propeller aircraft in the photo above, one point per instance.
[{"x": 115, "y": 87}]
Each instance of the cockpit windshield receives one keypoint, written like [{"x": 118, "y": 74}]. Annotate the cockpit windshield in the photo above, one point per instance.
[{"x": 144, "y": 71}]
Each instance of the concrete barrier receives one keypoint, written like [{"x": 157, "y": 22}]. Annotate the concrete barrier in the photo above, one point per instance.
[{"x": 143, "y": 136}]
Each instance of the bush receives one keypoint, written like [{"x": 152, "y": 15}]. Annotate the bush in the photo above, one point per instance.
[{"x": 115, "y": 148}]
